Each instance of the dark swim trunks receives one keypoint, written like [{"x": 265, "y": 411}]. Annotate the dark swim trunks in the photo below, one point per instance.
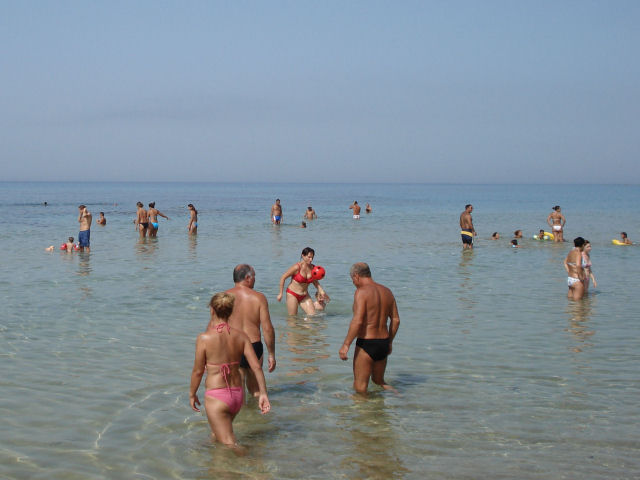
[
  {"x": 376, "y": 348},
  {"x": 83, "y": 238},
  {"x": 257, "y": 347},
  {"x": 467, "y": 237}
]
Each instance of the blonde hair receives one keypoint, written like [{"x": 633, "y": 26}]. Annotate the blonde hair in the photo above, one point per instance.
[{"x": 222, "y": 304}]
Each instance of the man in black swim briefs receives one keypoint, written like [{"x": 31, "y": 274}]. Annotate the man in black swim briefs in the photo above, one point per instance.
[
  {"x": 251, "y": 314},
  {"x": 373, "y": 305}
]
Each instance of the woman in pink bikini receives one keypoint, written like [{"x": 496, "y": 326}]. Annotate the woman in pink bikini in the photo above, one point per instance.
[
  {"x": 219, "y": 350},
  {"x": 301, "y": 277}
]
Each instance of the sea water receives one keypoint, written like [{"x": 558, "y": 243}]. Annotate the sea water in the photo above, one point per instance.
[{"x": 498, "y": 374}]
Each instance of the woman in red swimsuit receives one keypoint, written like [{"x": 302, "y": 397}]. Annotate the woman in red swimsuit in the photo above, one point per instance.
[
  {"x": 219, "y": 350},
  {"x": 297, "y": 291}
]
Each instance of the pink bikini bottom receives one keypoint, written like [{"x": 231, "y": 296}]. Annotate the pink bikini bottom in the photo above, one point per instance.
[{"x": 233, "y": 397}]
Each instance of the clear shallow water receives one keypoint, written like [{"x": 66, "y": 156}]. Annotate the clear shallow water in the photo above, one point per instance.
[{"x": 500, "y": 376}]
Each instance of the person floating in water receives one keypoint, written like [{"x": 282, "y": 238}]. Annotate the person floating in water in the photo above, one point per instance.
[
  {"x": 625, "y": 239},
  {"x": 517, "y": 234},
  {"x": 495, "y": 236},
  {"x": 373, "y": 305}
]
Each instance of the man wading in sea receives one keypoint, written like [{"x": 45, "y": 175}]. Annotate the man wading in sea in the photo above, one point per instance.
[
  {"x": 250, "y": 312},
  {"x": 467, "y": 232},
  {"x": 373, "y": 304}
]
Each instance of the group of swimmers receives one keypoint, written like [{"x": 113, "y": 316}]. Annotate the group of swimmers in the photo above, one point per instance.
[
  {"x": 578, "y": 262},
  {"x": 147, "y": 220},
  {"x": 230, "y": 350}
]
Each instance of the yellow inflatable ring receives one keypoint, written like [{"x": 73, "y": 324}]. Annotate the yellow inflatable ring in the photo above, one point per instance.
[
  {"x": 547, "y": 236},
  {"x": 615, "y": 241}
]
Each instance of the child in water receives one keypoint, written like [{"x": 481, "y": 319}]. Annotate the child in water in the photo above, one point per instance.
[
  {"x": 320, "y": 302},
  {"x": 625, "y": 239},
  {"x": 65, "y": 247},
  {"x": 69, "y": 246},
  {"x": 514, "y": 243}
]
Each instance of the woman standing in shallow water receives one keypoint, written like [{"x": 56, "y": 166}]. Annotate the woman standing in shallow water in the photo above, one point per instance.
[
  {"x": 575, "y": 272},
  {"x": 219, "y": 350},
  {"x": 298, "y": 289},
  {"x": 193, "y": 220},
  {"x": 586, "y": 265}
]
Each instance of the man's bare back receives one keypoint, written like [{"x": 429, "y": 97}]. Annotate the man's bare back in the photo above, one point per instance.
[
  {"x": 373, "y": 305},
  {"x": 378, "y": 304},
  {"x": 356, "y": 209},
  {"x": 251, "y": 314}
]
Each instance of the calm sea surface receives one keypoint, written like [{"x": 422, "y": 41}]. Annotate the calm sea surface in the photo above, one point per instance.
[{"x": 500, "y": 376}]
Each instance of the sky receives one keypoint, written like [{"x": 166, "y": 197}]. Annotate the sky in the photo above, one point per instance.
[{"x": 325, "y": 91}]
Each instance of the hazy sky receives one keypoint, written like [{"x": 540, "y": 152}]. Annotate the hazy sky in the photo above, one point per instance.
[{"x": 325, "y": 91}]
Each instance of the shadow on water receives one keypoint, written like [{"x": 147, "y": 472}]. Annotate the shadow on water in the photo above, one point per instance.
[
  {"x": 84, "y": 264},
  {"x": 367, "y": 423},
  {"x": 305, "y": 339},
  {"x": 193, "y": 244},
  {"x": 580, "y": 313},
  {"x": 465, "y": 269},
  {"x": 276, "y": 242},
  {"x": 146, "y": 246},
  {"x": 231, "y": 463}
]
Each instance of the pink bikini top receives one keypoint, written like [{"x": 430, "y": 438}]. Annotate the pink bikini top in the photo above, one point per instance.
[
  {"x": 225, "y": 368},
  {"x": 300, "y": 279}
]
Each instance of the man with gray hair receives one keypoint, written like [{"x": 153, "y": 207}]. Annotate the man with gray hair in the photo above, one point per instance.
[
  {"x": 373, "y": 304},
  {"x": 250, "y": 314}
]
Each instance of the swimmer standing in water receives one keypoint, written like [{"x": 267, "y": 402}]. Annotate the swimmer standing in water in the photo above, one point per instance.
[
  {"x": 310, "y": 214},
  {"x": 298, "y": 289},
  {"x": 276, "y": 213},
  {"x": 219, "y": 350},
  {"x": 375, "y": 323},
  {"x": 467, "y": 232},
  {"x": 193, "y": 220},
  {"x": 556, "y": 221},
  {"x": 586, "y": 264},
  {"x": 84, "y": 218},
  {"x": 142, "y": 220},
  {"x": 356, "y": 209},
  {"x": 154, "y": 213},
  {"x": 575, "y": 271},
  {"x": 251, "y": 315}
]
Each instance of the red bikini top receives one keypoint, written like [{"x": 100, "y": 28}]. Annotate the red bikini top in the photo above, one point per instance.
[{"x": 300, "y": 279}]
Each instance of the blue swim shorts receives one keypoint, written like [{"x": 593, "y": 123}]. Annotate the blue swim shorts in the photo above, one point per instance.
[{"x": 83, "y": 238}]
